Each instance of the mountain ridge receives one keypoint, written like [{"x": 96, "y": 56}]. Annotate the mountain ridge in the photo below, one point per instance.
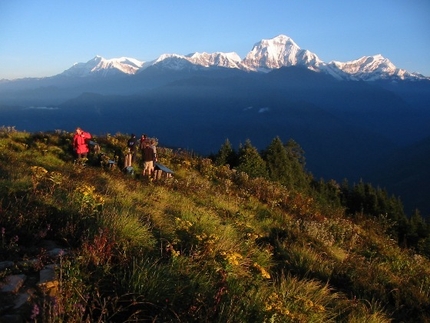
[
  {"x": 274, "y": 53},
  {"x": 265, "y": 55}
]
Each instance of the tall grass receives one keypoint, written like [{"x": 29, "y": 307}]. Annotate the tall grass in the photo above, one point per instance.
[{"x": 208, "y": 245}]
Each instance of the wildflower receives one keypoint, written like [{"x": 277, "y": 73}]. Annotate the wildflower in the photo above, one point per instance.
[
  {"x": 232, "y": 258},
  {"x": 81, "y": 307},
  {"x": 263, "y": 271},
  {"x": 319, "y": 308},
  {"x": 35, "y": 312}
]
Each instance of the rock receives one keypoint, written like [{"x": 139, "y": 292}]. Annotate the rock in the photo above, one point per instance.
[
  {"x": 48, "y": 282},
  {"x": 13, "y": 318},
  {"x": 13, "y": 283},
  {"x": 56, "y": 252},
  {"x": 22, "y": 299},
  {"x": 6, "y": 264}
]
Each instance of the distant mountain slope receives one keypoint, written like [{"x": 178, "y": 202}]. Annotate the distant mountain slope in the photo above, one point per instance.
[
  {"x": 101, "y": 66},
  {"x": 201, "y": 112},
  {"x": 406, "y": 173}
]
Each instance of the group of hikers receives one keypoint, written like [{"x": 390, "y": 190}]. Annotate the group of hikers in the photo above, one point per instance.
[
  {"x": 149, "y": 153},
  {"x": 146, "y": 146}
]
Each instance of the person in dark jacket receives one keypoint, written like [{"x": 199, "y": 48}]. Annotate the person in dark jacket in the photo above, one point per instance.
[
  {"x": 131, "y": 147},
  {"x": 149, "y": 154}
]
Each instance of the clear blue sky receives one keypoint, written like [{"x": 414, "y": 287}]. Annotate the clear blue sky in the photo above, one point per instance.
[{"x": 45, "y": 37}]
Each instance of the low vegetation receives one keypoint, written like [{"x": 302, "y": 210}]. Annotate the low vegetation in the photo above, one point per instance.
[{"x": 242, "y": 236}]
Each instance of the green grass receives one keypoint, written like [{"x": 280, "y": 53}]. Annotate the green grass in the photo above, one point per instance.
[{"x": 208, "y": 245}]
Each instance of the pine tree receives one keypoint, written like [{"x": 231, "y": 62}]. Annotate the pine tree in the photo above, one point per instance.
[
  {"x": 285, "y": 164},
  {"x": 226, "y": 155},
  {"x": 296, "y": 158},
  {"x": 278, "y": 165},
  {"x": 250, "y": 161},
  {"x": 417, "y": 229}
]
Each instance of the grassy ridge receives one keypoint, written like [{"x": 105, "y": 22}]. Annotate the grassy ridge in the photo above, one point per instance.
[{"x": 210, "y": 244}]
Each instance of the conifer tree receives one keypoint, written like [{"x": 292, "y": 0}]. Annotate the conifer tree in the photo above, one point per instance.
[
  {"x": 250, "y": 161},
  {"x": 278, "y": 165},
  {"x": 296, "y": 159},
  {"x": 226, "y": 155},
  {"x": 285, "y": 164},
  {"x": 417, "y": 229},
  {"x": 295, "y": 152}
]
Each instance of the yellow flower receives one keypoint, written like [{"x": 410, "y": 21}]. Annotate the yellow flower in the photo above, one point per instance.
[
  {"x": 232, "y": 258},
  {"x": 38, "y": 172},
  {"x": 263, "y": 271}
]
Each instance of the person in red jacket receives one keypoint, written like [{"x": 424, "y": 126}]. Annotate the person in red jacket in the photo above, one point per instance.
[{"x": 80, "y": 145}]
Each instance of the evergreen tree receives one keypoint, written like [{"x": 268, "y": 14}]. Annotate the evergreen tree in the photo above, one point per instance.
[
  {"x": 327, "y": 193},
  {"x": 250, "y": 161},
  {"x": 295, "y": 152},
  {"x": 417, "y": 229},
  {"x": 296, "y": 159},
  {"x": 278, "y": 165},
  {"x": 344, "y": 192},
  {"x": 363, "y": 198},
  {"x": 285, "y": 164},
  {"x": 226, "y": 155}
]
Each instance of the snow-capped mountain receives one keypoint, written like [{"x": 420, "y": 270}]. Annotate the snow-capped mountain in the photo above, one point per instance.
[
  {"x": 196, "y": 61},
  {"x": 371, "y": 68},
  {"x": 171, "y": 62},
  {"x": 266, "y": 55},
  {"x": 229, "y": 60},
  {"x": 277, "y": 52},
  {"x": 102, "y": 66}
]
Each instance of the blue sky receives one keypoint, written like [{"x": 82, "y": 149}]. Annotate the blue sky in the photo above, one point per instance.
[{"x": 45, "y": 37}]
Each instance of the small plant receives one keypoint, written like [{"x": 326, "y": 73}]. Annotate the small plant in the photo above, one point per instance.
[{"x": 88, "y": 199}]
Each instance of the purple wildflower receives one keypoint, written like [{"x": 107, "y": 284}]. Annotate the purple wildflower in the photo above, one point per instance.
[{"x": 34, "y": 312}]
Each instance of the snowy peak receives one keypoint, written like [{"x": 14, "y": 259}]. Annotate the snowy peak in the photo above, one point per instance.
[
  {"x": 269, "y": 54},
  {"x": 371, "y": 68},
  {"x": 100, "y": 65},
  {"x": 228, "y": 60},
  {"x": 366, "y": 64},
  {"x": 171, "y": 62},
  {"x": 265, "y": 56},
  {"x": 196, "y": 61}
]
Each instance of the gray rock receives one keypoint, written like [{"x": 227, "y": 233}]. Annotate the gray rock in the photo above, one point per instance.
[{"x": 12, "y": 283}]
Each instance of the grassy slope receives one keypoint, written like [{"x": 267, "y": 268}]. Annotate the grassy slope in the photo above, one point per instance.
[{"x": 209, "y": 245}]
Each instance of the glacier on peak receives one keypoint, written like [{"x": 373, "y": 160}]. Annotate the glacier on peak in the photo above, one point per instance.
[
  {"x": 278, "y": 52},
  {"x": 230, "y": 60},
  {"x": 99, "y": 64},
  {"x": 374, "y": 67},
  {"x": 265, "y": 56}
]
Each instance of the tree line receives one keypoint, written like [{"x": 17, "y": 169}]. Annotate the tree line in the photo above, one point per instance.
[{"x": 285, "y": 163}]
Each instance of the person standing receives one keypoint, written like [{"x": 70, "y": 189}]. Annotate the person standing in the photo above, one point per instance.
[
  {"x": 131, "y": 146},
  {"x": 149, "y": 153},
  {"x": 142, "y": 141},
  {"x": 80, "y": 145}
]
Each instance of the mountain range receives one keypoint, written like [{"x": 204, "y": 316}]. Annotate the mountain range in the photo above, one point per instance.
[
  {"x": 265, "y": 56},
  {"x": 360, "y": 119}
]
